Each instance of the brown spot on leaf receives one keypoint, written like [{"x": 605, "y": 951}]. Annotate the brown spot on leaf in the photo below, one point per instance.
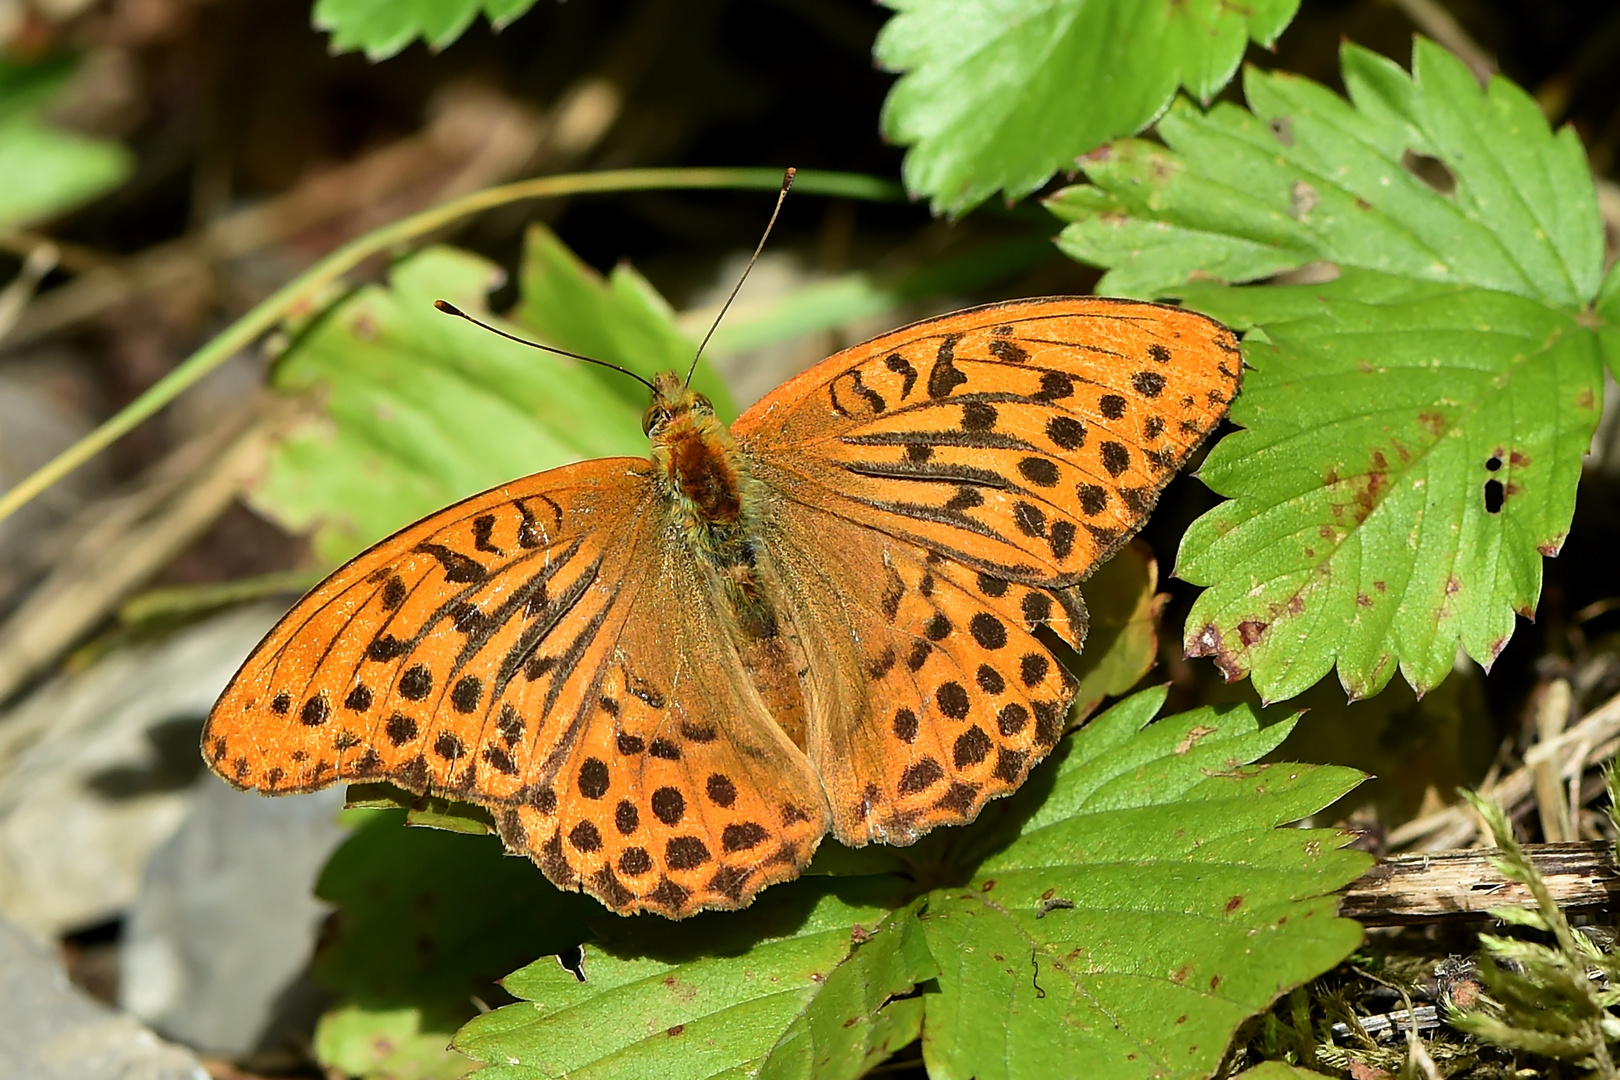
[
  {"x": 1191, "y": 739},
  {"x": 1208, "y": 642},
  {"x": 1233, "y": 904},
  {"x": 1250, "y": 631}
]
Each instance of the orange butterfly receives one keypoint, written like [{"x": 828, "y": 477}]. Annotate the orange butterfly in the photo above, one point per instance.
[{"x": 668, "y": 679}]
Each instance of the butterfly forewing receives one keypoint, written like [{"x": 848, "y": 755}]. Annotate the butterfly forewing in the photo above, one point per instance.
[
  {"x": 543, "y": 651},
  {"x": 1029, "y": 439},
  {"x": 393, "y": 667}
]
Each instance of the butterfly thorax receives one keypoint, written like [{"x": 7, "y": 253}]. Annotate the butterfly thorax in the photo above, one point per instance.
[{"x": 712, "y": 503}]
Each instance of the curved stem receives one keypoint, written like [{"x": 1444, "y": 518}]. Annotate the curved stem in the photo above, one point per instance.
[{"x": 263, "y": 317}]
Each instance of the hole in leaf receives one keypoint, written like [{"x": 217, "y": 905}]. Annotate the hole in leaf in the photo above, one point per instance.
[
  {"x": 1431, "y": 171},
  {"x": 1493, "y": 463},
  {"x": 573, "y": 961},
  {"x": 1495, "y": 494}
]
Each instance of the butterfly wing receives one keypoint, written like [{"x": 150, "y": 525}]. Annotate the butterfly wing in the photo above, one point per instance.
[
  {"x": 543, "y": 650},
  {"x": 1028, "y": 439},
  {"x": 944, "y": 486},
  {"x": 932, "y": 692}
]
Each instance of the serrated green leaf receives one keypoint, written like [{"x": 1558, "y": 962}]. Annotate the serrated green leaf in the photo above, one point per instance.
[
  {"x": 48, "y": 171},
  {"x": 1148, "y": 849},
  {"x": 1000, "y": 94},
  {"x": 1304, "y": 175},
  {"x": 420, "y": 409},
  {"x": 1364, "y": 529},
  {"x": 1369, "y": 527},
  {"x": 721, "y": 995},
  {"x": 1149, "y": 906},
  {"x": 622, "y": 320},
  {"x": 426, "y": 921},
  {"x": 384, "y": 27}
]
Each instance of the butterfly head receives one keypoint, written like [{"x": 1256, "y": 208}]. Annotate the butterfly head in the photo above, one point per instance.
[{"x": 695, "y": 454}]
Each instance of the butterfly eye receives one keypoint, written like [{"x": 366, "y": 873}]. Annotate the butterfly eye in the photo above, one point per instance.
[{"x": 654, "y": 417}]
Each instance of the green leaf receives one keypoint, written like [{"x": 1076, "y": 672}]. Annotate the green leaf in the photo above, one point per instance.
[
  {"x": 1000, "y": 95},
  {"x": 384, "y": 27},
  {"x": 1122, "y": 641},
  {"x": 419, "y": 409},
  {"x": 799, "y": 986},
  {"x": 1148, "y": 907},
  {"x": 1365, "y": 529},
  {"x": 622, "y": 320},
  {"x": 1135, "y": 898},
  {"x": 47, "y": 171},
  {"x": 1303, "y": 175},
  {"x": 426, "y": 922},
  {"x": 1414, "y": 426}
]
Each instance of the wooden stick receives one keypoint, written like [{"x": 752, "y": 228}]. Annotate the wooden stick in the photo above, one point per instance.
[{"x": 1446, "y": 885}]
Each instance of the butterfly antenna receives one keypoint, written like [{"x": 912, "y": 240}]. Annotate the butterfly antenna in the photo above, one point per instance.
[
  {"x": 787, "y": 183},
  {"x": 450, "y": 309}
]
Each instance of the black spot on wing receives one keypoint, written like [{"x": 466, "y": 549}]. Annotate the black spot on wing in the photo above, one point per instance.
[
  {"x": 1008, "y": 351},
  {"x": 483, "y": 529},
  {"x": 458, "y": 568},
  {"x": 945, "y": 376},
  {"x": 902, "y": 367}
]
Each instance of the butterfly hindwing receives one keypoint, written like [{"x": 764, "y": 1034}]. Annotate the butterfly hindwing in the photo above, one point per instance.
[
  {"x": 680, "y": 791},
  {"x": 935, "y": 693}
]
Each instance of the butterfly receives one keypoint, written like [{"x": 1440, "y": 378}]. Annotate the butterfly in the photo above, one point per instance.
[{"x": 668, "y": 679}]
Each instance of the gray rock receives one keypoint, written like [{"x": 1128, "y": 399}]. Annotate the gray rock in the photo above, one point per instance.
[
  {"x": 96, "y": 768},
  {"x": 50, "y": 1030},
  {"x": 226, "y": 920}
]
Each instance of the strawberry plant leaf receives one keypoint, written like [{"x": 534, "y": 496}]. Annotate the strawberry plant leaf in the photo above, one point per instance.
[
  {"x": 1129, "y": 907},
  {"x": 1414, "y": 426},
  {"x": 621, "y": 320},
  {"x": 383, "y": 27},
  {"x": 418, "y": 409},
  {"x": 1000, "y": 95},
  {"x": 1148, "y": 906},
  {"x": 1380, "y": 535},
  {"x": 1423, "y": 177},
  {"x": 425, "y": 921},
  {"x": 801, "y": 987}
]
